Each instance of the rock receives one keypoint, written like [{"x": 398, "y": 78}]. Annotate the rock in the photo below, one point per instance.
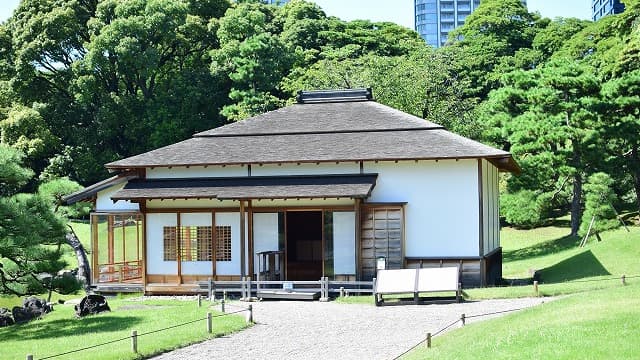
[
  {"x": 20, "y": 315},
  {"x": 91, "y": 305},
  {"x": 5, "y": 317}
]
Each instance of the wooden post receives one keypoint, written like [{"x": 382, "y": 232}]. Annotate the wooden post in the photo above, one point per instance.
[
  {"x": 222, "y": 305},
  {"x": 429, "y": 340},
  {"x": 199, "y": 300},
  {"x": 462, "y": 319},
  {"x": 29, "y": 357},
  {"x": 342, "y": 291},
  {"x": 134, "y": 341},
  {"x": 224, "y": 295},
  {"x": 209, "y": 288},
  {"x": 248, "y": 288},
  {"x": 209, "y": 323},
  {"x": 243, "y": 240},
  {"x": 535, "y": 287},
  {"x": 624, "y": 280},
  {"x": 250, "y": 314}
]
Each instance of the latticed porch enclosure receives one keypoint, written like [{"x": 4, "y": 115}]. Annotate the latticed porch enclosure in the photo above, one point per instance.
[{"x": 116, "y": 247}]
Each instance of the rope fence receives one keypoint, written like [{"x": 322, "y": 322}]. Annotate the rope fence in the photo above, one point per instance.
[
  {"x": 134, "y": 334},
  {"x": 463, "y": 317}
]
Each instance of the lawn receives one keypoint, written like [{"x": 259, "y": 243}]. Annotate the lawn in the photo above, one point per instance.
[
  {"x": 565, "y": 268},
  {"x": 60, "y": 331},
  {"x": 600, "y": 324}
]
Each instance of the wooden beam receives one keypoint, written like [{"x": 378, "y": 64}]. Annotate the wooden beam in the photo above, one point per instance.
[
  {"x": 243, "y": 259},
  {"x": 95, "y": 269},
  {"x": 357, "y": 211},
  {"x": 178, "y": 247},
  {"x": 143, "y": 208},
  {"x": 480, "y": 211},
  {"x": 214, "y": 245},
  {"x": 250, "y": 237},
  {"x": 110, "y": 230}
]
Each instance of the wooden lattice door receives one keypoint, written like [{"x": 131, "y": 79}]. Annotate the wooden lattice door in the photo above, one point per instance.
[{"x": 381, "y": 236}]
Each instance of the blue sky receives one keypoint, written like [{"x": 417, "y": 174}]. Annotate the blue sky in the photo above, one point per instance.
[{"x": 400, "y": 11}]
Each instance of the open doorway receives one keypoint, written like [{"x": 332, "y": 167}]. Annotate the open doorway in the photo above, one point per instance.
[{"x": 304, "y": 245}]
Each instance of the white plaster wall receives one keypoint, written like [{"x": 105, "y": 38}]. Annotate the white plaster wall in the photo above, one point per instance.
[
  {"x": 302, "y": 202},
  {"x": 154, "y": 259},
  {"x": 196, "y": 267},
  {"x": 344, "y": 244},
  {"x": 265, "y": 235},
  {"x": 104, "y": 202},
  {"x": 196, "y": 171},
  {"x": 191, "y": 204},
  {"x": 230, "y": 267},
  {"x": 441, "y": 215},
  {"x": 306, "y": 169}
]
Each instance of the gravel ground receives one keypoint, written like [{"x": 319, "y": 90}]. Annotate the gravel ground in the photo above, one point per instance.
[{"x": 315, "y": 330}]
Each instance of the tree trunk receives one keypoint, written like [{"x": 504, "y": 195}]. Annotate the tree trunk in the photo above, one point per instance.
[
  {"x": 576, "y": 203},
  {"x": 635, "y": 170},
  {"x": 84, "y": 269}
]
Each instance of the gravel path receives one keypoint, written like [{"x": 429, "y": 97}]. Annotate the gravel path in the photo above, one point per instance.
[{"x": 314, "y": 330}]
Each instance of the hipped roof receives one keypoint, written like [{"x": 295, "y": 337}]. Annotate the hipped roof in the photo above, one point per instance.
[
  {"x": 320, "y": 132},
  {"x": 254, "y": 187}
]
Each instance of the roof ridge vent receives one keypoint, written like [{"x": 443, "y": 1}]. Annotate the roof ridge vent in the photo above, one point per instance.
[{"x": 337, "y": 95}]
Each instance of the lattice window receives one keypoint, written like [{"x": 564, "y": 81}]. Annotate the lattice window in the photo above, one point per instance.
[
  {"x": 204, "y": 239},
  {"x": 223, "y": 243},
  {"x": 170, "y": 241}
]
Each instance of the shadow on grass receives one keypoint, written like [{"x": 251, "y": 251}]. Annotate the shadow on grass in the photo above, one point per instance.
[
  {"x": 541, "y": 249},
  {"x": 579, "y": 266},
  {"x": 42, "y": 329}
]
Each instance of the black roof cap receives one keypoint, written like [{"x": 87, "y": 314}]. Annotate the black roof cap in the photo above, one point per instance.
[{"x": 341, "y": 95}]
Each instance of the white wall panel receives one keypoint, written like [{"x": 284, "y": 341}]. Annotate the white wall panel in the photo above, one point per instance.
[
  {"x": 306, "y": 169},
  {"x": 230, "y": 267},
  {"x": 191, "y": 204},
  {"x": 344, "y": 243},
  {"x": 302, "y": 202},
  {"x": 441, "y": 215},
  {"x": 155, "y": 244},
  {"x": 265, "y": 234},
  {"x": 104, "y": 202},
  {"x": 196, "y": 267},
  {"x": 196, "y": 171}
]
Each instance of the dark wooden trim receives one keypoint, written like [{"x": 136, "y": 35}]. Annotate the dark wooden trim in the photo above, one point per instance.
[
  {"x": 444, "y": 258},
  {"x": 250, "y": 243},
  {"x": 143, "y": 208},
  {"x": 95, "y": 269},
  {"x": 480, "y": 210},
  {"x": 179, "y": 250},
  {"x": 286, "y": 261},
  {"x": 378, "y": 204},
  {"x": 357, "y": 208},
  {"x": 259, "y": 209},
  {"x": 214, "y": 245},
  {"x": 191, "y": 210},
  {"x": 497, "y": 158},
  {"x": 243, "y": 260}
]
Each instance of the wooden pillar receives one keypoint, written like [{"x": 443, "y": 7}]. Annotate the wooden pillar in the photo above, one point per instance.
[
  {"x": 250, "y": 237},
  {"x": 110, "y": 230},
  {"x": 214, "y": 245},
  {"x": 178, "y": 247},
  {"x": 143, "y": 209},
  {"x": 95, "y": 269},
  {"x": 243, "y": 237},
  {"x": 480, "y": 211},
  {"x": 358, "y": 240}
]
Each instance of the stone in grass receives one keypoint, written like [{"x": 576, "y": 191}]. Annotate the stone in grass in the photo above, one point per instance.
[
  {"x": 32, "y": 308},
  {"x": 5, "y": 317},
  {"x": 91, "y": 305}
]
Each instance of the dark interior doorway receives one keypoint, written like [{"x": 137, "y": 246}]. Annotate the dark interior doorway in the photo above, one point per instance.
[{"x": 304, "y": 245}]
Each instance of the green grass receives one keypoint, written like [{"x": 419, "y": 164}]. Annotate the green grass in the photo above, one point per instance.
[
  {"x": 565, "y": 268},
  {"x": 605, "y": 324},
  {"x": 60, "y": 331}
]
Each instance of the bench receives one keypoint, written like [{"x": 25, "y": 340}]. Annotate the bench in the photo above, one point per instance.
[{"x": 416, "y": 281}]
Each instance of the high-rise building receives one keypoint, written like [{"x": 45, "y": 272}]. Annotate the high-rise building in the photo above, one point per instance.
[
  {"x": 434, "y": 19},
  {"x": 600, "y": 8}
]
